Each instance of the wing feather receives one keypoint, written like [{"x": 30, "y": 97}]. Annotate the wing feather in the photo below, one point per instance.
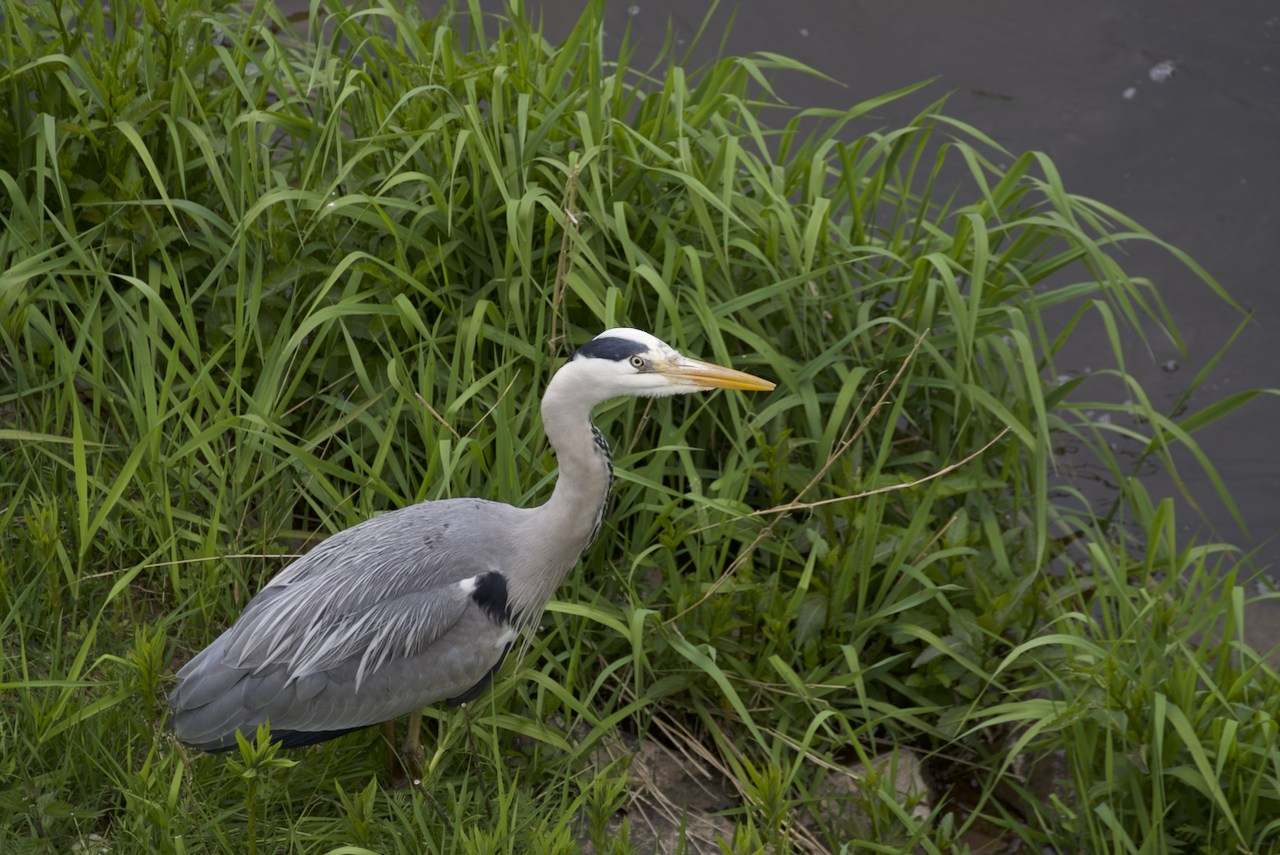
[
  {"x": 392, "y": 578},
  {"x": 340, "y": 637}
]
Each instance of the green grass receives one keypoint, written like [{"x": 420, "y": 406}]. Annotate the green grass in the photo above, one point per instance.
[{"x": 255, "y": 289}]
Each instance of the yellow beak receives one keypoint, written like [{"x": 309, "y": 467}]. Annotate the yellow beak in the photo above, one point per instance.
[{"x": 691, "y": 372}]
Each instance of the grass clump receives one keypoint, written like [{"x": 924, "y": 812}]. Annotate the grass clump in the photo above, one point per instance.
[{"x": 258, "y": 288}]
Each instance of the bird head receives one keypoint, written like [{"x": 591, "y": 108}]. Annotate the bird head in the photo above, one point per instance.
[{"x": 625, "y": 361}]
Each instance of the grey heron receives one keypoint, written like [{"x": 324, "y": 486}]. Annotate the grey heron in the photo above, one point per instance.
[{"x": 421, "y": 604}]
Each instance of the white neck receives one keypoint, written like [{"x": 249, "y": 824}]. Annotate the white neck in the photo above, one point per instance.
[{"x": 559, "y": 531}]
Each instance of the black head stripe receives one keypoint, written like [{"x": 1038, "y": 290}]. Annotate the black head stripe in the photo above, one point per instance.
[{"x": 610, "y": 347}]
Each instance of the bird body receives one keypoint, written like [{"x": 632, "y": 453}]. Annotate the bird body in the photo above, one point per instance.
[
  {"x": 420, "y": 604},
  {"x": 339, "y": 639}
]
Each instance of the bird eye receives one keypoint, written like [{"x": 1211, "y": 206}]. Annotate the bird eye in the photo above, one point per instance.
[{"x": 637, "y": 362}]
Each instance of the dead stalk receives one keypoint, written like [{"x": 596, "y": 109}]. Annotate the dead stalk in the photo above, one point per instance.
[{"x": 568, "y": 244}]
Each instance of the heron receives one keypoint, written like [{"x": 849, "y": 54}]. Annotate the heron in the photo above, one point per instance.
[{"x": 421, "y": 604}]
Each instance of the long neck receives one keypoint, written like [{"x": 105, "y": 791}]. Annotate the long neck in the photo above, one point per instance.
[{"x": 557, "y": 533}]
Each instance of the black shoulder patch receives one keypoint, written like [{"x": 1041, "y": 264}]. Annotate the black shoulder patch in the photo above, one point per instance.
[
  {"x": 616, "y": 349},
  {"x": 491, "y": 596}
]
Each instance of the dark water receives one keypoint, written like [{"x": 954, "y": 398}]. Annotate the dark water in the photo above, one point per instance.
[{"x": 1193, "y": 156}]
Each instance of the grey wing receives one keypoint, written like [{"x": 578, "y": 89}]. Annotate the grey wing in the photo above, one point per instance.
[{"x": 378, "y": 620}]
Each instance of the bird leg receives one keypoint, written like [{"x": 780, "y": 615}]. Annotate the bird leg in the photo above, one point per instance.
[
  {"x": 407, "y": 763},
  {"x": 396, "y": 773},
  {"x": 413, "y": 753}
]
